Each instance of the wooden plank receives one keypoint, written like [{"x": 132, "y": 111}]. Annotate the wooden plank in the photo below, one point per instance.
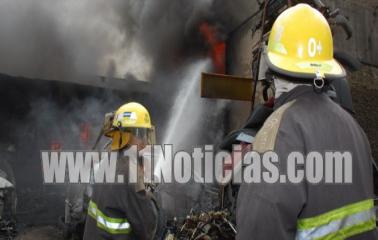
[{"x": 226, "y": 87}]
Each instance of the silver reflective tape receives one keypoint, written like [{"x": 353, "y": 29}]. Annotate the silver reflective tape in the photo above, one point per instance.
[
  {"x": 109, "y": 225},
  {"x": 113, "y": 226},
  {"x": 337, "y": 225}
]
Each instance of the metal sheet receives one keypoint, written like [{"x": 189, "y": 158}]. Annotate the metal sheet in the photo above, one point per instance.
[{"x": 226, "y": 87}]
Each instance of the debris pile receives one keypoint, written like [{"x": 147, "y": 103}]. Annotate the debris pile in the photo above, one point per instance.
[{"x": 212, "y": 225}]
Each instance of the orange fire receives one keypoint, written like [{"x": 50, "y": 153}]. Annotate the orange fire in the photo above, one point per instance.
[
  {"x": 217, "y": 46},
  {"x": 55, "y": 145},
  {"x": 84, "y": 132}
]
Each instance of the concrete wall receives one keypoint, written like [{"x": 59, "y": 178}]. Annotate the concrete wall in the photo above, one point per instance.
[
  {"x": 364, "y": 87},
  {"x": 363, "y": 17}
]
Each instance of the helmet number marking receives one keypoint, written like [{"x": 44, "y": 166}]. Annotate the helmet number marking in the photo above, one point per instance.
[{"x": 314, "y": 47}]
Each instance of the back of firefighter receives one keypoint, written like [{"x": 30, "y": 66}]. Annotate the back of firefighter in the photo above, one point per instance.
[
  {"x": 300, "y": 57},
  {"x": 124, "y": 211}
]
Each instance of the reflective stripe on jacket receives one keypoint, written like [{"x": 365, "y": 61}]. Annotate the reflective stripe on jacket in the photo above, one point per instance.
[
  {"x": 108, "y": 224},
  {"x": 346, "y": 221}
]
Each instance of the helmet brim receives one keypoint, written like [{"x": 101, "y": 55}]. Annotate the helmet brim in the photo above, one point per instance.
[{"x": 331, "y": 69}]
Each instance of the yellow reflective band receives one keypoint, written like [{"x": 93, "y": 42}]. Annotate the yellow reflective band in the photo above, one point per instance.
[
  {"x": 340, "y": 223},
  {"x": 108, "y": 224},
  {"x": 336, "y": 214}
]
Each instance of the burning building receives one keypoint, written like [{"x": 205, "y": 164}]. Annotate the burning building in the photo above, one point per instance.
[{"x": 65, "y": 64}]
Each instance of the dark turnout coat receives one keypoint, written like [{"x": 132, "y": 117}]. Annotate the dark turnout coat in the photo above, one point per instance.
[
  {"x": 121, "y": 211},
  {"x": 306, "y": 121}
]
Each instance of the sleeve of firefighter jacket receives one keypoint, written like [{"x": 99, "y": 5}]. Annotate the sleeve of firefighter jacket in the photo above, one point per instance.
[
  {"x": 270, "y": 210},
  {"x": 141, "y": 213}
]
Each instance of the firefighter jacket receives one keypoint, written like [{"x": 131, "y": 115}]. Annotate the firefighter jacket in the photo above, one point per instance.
[
  {"x": 305, "y": 121},
  {"x": 121, "y": 211}
]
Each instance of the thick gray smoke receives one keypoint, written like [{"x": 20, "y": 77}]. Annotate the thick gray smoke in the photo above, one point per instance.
[
  {"x": 149, "y": 40},
  {"x": 58, "y": 39}
]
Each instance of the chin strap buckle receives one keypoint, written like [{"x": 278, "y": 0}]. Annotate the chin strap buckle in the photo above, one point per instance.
[{"x": 318, "y": 82}]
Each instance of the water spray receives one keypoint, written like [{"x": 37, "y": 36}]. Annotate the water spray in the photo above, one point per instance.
[{"x": 175, "y": 133}]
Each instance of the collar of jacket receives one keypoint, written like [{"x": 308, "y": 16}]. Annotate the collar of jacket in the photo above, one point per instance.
[{"x": 293, "y": 94}]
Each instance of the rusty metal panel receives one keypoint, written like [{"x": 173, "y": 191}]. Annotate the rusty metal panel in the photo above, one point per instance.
[{"x": 226, "y": 87}]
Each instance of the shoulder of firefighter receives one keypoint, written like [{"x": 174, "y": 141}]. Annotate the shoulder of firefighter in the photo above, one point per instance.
[{"x": 306, "y": 121}]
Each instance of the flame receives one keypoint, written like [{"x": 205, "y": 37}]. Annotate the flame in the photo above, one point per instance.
[
  {"x": 55, "y": 145},
  {"x": 217, "y": 46},
  {"x": 84, "y": 132}
]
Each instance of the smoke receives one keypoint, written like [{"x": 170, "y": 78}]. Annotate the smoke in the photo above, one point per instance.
[
  {"x": 60, "y": 121},
  {"x": 58, "y": 39},
  {"x": 65, "y": 125},
  {"x": 149, "y": 40}
]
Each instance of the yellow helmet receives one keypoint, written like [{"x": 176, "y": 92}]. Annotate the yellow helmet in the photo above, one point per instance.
[
  {"x": 132, "y": 115},
  {"x": 131, "y": 119},
  {"x": 300, "y": 45}
]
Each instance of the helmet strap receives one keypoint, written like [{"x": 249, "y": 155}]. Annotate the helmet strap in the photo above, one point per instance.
[
  {"x": 120, "y": 135},
  {"x": 120, "y": 141},
  {"x": 267, "y": 85}
]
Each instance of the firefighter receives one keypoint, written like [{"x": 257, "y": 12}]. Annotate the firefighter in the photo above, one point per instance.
[
  {"x": 124, "y": 211},
  {"x": 300, "y": 59}
]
